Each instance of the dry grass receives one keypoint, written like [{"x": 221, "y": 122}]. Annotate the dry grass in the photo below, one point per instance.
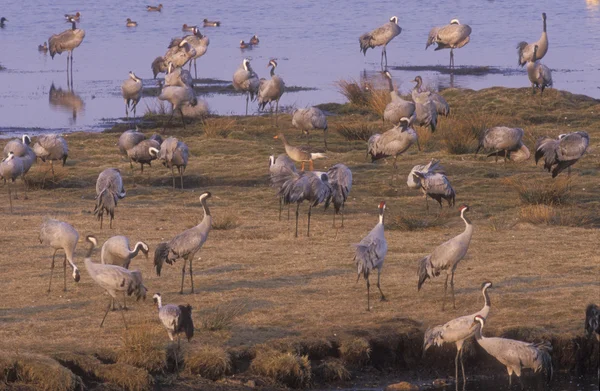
[
  {"x": 225, "y": 222},
  {"x": 156, "y": 107},
  {"x": 142, "y": 348},
  {"x": 332, "y": 370},
  {"x": 286, "y": 368},
  {"x": 218, "y": 127},
  {"x": 417, "y": 222},
  {"x": 210, "y": 362},
  {"x": 377, "y": 101},
  {"x": 357, "y": 131},
  {"x": 355, "y": 351},
  {"x": 570, "y": 216},
  {"x": 221, "y": 318},
  {"x": 542, "y": 192},
  {"x": 356, "y": 93},
  {"x": 461, "y": 131}
]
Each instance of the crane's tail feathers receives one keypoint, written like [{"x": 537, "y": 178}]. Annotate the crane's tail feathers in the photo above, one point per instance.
[
  {"x": 365, "y": 43},
  {"x": 424, "y": 271},
  {"x": 187, "y": 324},
  {"x": 520, "y": 47},
  {"x": 363, "y": 261},
  {"x": 545, "y": 363},
  {"x": 432, "y": 337},
  {"x": 561, "y": 166},
  {"x": 161, "y": 255},
  {"x": 105, "y": 201}
]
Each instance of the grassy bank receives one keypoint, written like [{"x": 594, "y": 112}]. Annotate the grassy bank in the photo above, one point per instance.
[{"x": 272, "y": 310}]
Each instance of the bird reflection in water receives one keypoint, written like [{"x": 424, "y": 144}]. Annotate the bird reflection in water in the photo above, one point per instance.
[{"x": 67, "y": 101}]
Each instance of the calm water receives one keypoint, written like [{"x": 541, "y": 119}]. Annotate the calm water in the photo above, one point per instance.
[{"x": 316, "y": 44}]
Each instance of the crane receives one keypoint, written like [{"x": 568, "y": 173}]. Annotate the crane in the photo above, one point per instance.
[
  {"x": 398, "y": 108},
  {"x": 12, "y": 168},
  {"x": 60, "y": 236},
  {"x": 246, "y": 80},
  {"x": 67, "y": 41},
  {"x": 502, "y": 140},
  {"x": 340, "y": 180},
  {"x": 109, "y": 189},
  {"x": 271, "y": 90},
  {"x": 174, "y": 153},
  {"x": 51, "y": 147},
  {"x": 310, "y": 119},
  {"x": 381, "y": 36},
  {"x": 539, "y": 74},
  {"x": 451, "y": 36},
  {"x": 116, "y": 251},
  {"x": 131, "y": 89},
  {"x": 563, "y": 152},
  {"x": 525, "y": 50}
]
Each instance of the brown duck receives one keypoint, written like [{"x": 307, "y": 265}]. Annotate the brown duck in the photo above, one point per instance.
[{"x": 300, "y": 153}]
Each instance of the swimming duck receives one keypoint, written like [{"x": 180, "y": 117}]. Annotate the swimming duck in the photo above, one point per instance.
[
  {"x": 211, "y": 23},
  {"x": 154, "y": 8},
  {"x": 187, "y": 28},
  {"x": 244, "y": 45},
  {"x": 254, "y": 40},
  {"x": 131, "y": 23}
]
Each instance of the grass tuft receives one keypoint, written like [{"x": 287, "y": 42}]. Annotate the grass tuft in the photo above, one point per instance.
[
  {"x": 416, "y": 222},
  {"x": 357, "y": 94},
  {"x": 210, "y": 362},
  {"x": 218, "y": 127},
  {"x": 564, "y": 216},
  {"x": 355, "y": 351},
  {"x": 142, "y": 347},
  {"x": 332, "y": 370},
  {"x": 225, "y": 222},
  {"x": 541, "y": 192},
  {"x": 288, "y": 369},
  {"x": 357, "y": 131},
  {"x": 221, "y": 318}
]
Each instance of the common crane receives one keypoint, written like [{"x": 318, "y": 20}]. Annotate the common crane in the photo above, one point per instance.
[
  {"x": 525, "y": 50},
  {"x": 174, "y": 153},
  {"x": 539, "y": 74},
  {"x": 502, "y": 141},
  {"x": 116, "y": 251},
  {"x": 381, "y": 36},
  {"x": 398, "y": 108},
  {"x": 109, "y": 189},
  {"x": 270, "y": 91},
  {"x": 60, "y": 236},
  {"x": 310, "y": 119},
  {"x": 340, "y": 180},
  {"x": 435, "y": 185},
  {"x": 51, "y": 147},
  {"x": 11, "y": 168},
  {"x": 200, "y": 44},
  {"x": 300, "y": 153},
  {"x": 278, "y": 170},
  {"x": 66, "y": 41},
  {"x": 178, "y": 97},
  {"x": 563, "y": 152},
  {"x": 131, "y": 89},
  {"x": 451, "y": 36},
  {"x": 441, "y": 105},
  {"x": 246, "y": 81},
  {"x": 176, "y": 319}
]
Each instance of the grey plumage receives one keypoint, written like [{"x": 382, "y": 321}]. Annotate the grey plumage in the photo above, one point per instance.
[
  {"x": 370, "y": 254},
  {"x": 515, "y": 355},
  {"x": 270, "y": 91},
  {"x": 129, "y": 139},
  {"x": 185, "y": 245},
  {"x": 114, "y": 279},
  {"x": 279, "y": 171},
  {"x": 60, "y": 236},
  {"x": 539, "y": 74},
  {"x": 131, "y": 89},
  {"x": 457, "y": 331},
  {"x": 159, "y": 65},
  {"x": 433, "y": 167},
  {"x": 305, "y": 186},
  {"x": 433, "y": 183},
  {"x": 451, "y": 36},
  {"x": 381, "y": 36},
  {"x": 446, "y": 257},
  {"x": 140, "y": 153},
  {"x": 178, "y": 77},
  {"x": 116, "y": 251},
  {"x": 174, "y": 153},
  {"x": 525, "y": 50},
  {"x": 11, "y": 168},
  {"x": 441, "y": 106},
  {"x": 19, "y": 147},
  {"x": 563, "y": 152},
  {"x": 310, "y": 119},
  {"x": 176, "y": 319},
  {"x": 109, "y": 189},
  {"x": 425, "y": 106},
  {"x": 178, "y": 97},
  {"x": 200, "y": 44},
  {"x": 66, "y": 41},
  {"x": 502, "y": 141},
  {"x": 178, "y": 53},
  {"x": 51, "y": 147},
  {"x": 246, "y": 80},
  {"x": 398, "y": 108},
  {"x": 340, "y": 180}
]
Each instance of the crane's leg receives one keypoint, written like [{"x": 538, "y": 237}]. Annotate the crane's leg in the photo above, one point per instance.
[
  {"x": 334, "y": 218},
  {"x": 182, "y": 276},
  {"x": 456, "y": 368},
  {"x": 68, "y": 81},
  {"x": 173, "y": 176},
  {"x": 276, "y": 110},
  {"x": 426, "y": 203},
  {"x": 368, "y": 292},
  {"x": 101, "y": 218},
  {"x": 343, "y": 207},
  {"x": 52, "y": 168},
  {"x": 71, "y": 70},
  {"x": 122, "y": 315},
  {"x": 288, "y": 212},
  {"x": 191, "y": 272},
  {"x": 462, "y": 365},
  {"x": 509, "y": 377},
  {"x": 452, "y": 287},
  {"x": 110, "y": 222},
  {"x": 134, "y": 112},
  {"x": 309, "y": 212},
  {"x": 325, "y": 138},
  {"x": 124, "y": 300},
  {"x": 10, "y": 197},
  {"x": 297, "y": 207},
  {"x": 247, "y": 98},
  {"x": 379, "y": 286},
  {"x": 281, "y": 208},
  {"x": 181, "y": 170},
  {"x": 445, "y": 290},
  {"x": 126, "y": 109},
  {"x": 170, "y": 118},
  {"x": 65, "y": 273},
  {"x": 51, "y": 271},
  {"x": 195, "y": 69},
  {"x": 106, "y": 313}
]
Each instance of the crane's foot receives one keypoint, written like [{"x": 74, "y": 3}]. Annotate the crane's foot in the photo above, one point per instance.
[{"x": 383, "y": 298}]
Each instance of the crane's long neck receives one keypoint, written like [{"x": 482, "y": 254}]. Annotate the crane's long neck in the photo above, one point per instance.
[
  {"x": 486, "y": 297},
  {"x": 544, "y": 31},
  {"x": 478, "y": 332},
  {"x": 465, "y": 219},
  {"x": 418, "y": 86},
  {"x": 138, "y": 246},
  {"x": 159, "y": 302},
  {"x": 205, "y": 207},
  {"x": 390, "y": 85},
  {"x": 381, "y": 216},
  {"x": 272, "y": 71},
  {"x": 73, "y": 26}
]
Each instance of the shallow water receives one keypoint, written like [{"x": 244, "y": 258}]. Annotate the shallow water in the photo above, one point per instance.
[{"x": 315, "y": 44}]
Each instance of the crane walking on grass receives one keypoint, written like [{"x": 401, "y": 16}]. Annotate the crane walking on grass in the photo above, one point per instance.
[
  {"x": 185, "y": 245},
  {"x": 60, "y": 236},
  {"x": 131, "y": 89},
  {"x": 370, "y": 254},
  {"x": 278, "y": 170},
  {"x": 246, "y": 80},
  {"x": 109, "y": 190},
  {"x": 310, "y": 119},
  {"x": 502, "y": 141},
  {"x": 176, "y": 319},
  {"x": 340, "y": 179},
  {"x": 561, "y": 153},
  {"x": 11, "y": 168},
  {"x": 433, "y": 182},
  {"x": 51, "y": 147},
  {"x": 271, "y": 90},
  {"x": 446, "y": 257},
  {"x": 457, "y": 331}
]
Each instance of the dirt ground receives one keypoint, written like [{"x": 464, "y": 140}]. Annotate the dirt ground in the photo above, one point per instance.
[{"x": 544, "y": 275}]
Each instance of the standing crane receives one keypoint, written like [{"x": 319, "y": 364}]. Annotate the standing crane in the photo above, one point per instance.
[
  {"x": 271, "y": 90},
  {"x": 340, "y": 180},
  {"x": 370, "y": 254},
  {"x": 200, "y": 44},
  {"x": 129, "y": 139},
  {"x": 246, "y": 80},
  {"x": 515, "y": 355},
  {"x": 109, "y": 189},
  {"x": 300, "y": 153},
  {"x": 174, "y": 153},
  {"x": 539, "y": 74},
  {"x": 114, "y": 279},
  {"x": 563, "y": 152},
  {"x": 441, "y": 105},
  {"x": 451, "y": 36},
  {"x": 66, "y": 41},
  {"x": 144, "y": 152},
  {"x": 178, "y": 77},
  {"x": 51, "y": 147},
  {"x": 131, "y": 89},
  {"x": 525, "y": 50},
  {"x": 502, "y": 141},
  {"x": 381, "y": 36},
  {"x": 12, "y": 168},
  {"x": 457, "y": 331},
  {"x": 310, "y": 119},
  {"x": 178, "y": 96},
  {"x": 176, "y": 319},
  {"x": 279, "y": 170},
  {"x": 425, "y": 107},
  {"x": 433, "y": 184},
  {"x": 446, "y": 257},
  {"x": 19, "y": 147},
  {"x": 60, "y": 236},
  {"x": 398, "y": 108},
  {"x": 185, "y": 245},
  {"x": 116, "y": 251}
]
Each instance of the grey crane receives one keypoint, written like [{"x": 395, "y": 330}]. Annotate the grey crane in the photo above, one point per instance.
[
  {"x": 114, "y": 279},
  {"x": 309, "y": 119},
  {"x": 432, "y": 167},
  {"x": 200, "y": 44},
  {"x": 129, "y": 139},
  {"x": 563, "y": 152},
  {"x": 109, "y": 189},
  {"x": 142, "y": 153},
  {"x": 116, "y": 251},
  {"x": 398, "y": 108},
  {"x": 539, "y": 74},
  {"x": 441, "y": 105},
  {"x": 131, "y": 89},
  {"x": 340, "y": 180},
  {"x": 525, "y": 50},
  {"x": 425, "y": 108},
  {"x": 51, "y": 147},
  {"x": 446, "y": 257},
  {"x": 246, "y": 80},
  {"x": 185, "y": 245},
  {"x": 370, "y": 254},
  {"x": 180, "y": 51},
  {"x": 592, "y": 325},
  {"x": 11, "y": 168},
  {"x": 66, "y": 41},
  {"x": 451, "y": 36},
  {"x": 174, "y": 153},
  {"x": 178, "y": 96},
  {"x": 303, "y": 186},
  {"x": 381, "y": 36},
  {"x": 457, "y": 331},
  {"x": 271, "y": 90},
  {"x": 19, "y": 147},
  {"x": 515, "y": 355},
  {"x": 178, "y": 77},
  {"x": 393, "y": 142},
  {"x": 277, "y": 170},
  {"x": 434, "y": 184},
  {"x": 176, "y": 319},
  {"x": 502, "y": 141},
  {"x": 60, "y": 236},
  {"x": 159, "y": 65}
]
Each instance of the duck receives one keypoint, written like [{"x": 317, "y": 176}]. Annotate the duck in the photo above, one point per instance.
[
  {"x": 154, "y": 8},
  {"x": 43, "y": 48},
  {"x": 254, "y": 40},
  {"x": 244, "y": 45},
  {"x": 301, "y": 154},
  {"x": 185, "y": 27},
  {"x": 131, "y": 23},
  {"x": 211, "y": 23}
]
